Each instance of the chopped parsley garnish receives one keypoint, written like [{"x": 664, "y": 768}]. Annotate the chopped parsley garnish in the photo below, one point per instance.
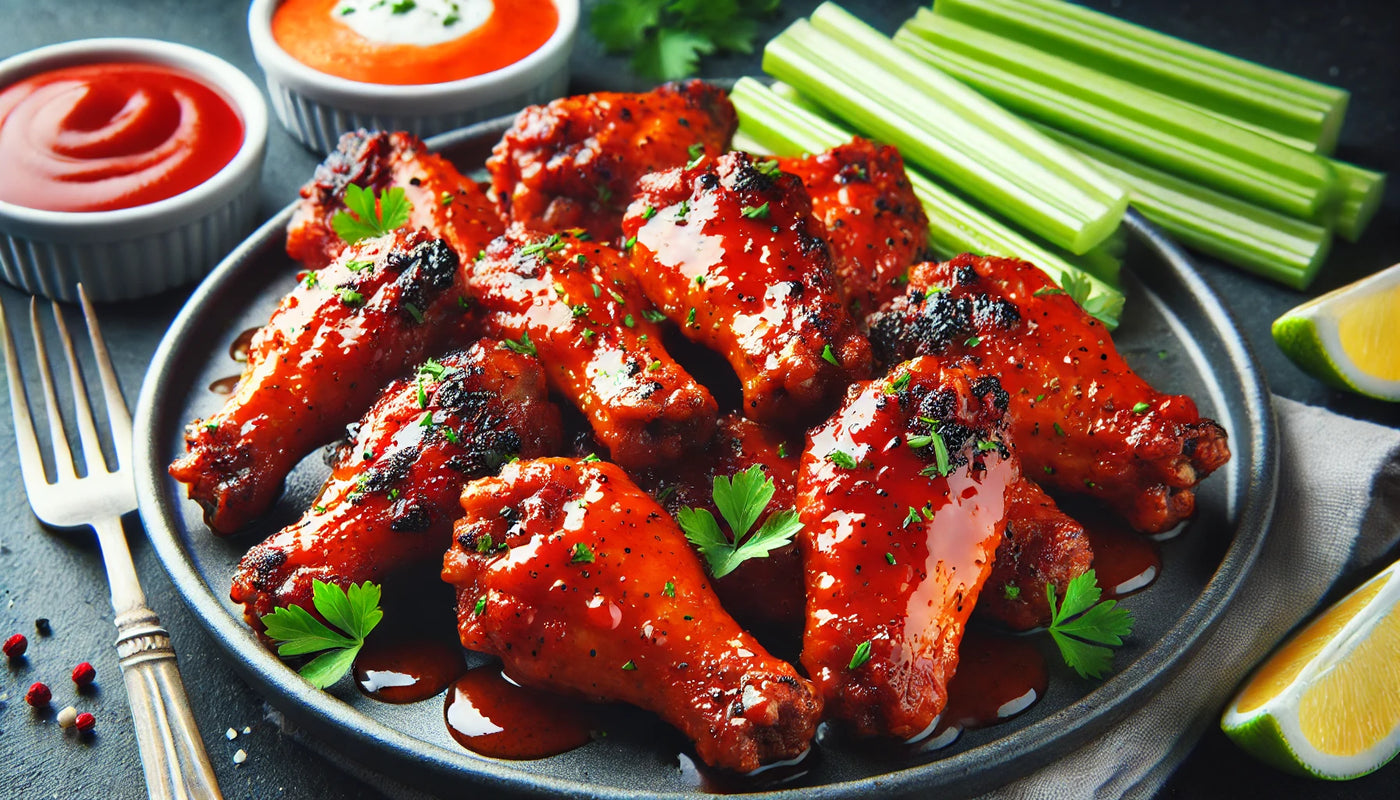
[
  {"x": 617, "y": 297},
  {"x": 1058, "y": 430},
  {"x": 940, "y": 466},
  {"x": 690, "y": 317},
  {"x": 580, "y": 310},
  {"x": 363, "y": 220},
  {"x": 629, "y": 321},
  {"x": 782, "y": 449},
  {"x": 445, "y": 199},
  {"x": 1045, "y": 291},
  {"x": 683, "y": 209},
  {"x": 653, "y": 366},
  {"x": 414, "y": 312},
  {"x": 597, "y": 290},
  {"x": 912, "y": 518},
  {"x": 553, "y": 243},
  {"x": 403, "y": 6},
  {"x": 604, "y": 193},
  {"x": 426, "y": 421},
  {"x": 699, "y": 280},
  {"x": 648, "y": 212},
  {"x": 356, "y": 266},
  {"x": 669, "y": 589},
  {"x": 985, "y": 445},
  {"x": 889, "y": 558},
  {"x": 591, "y": 458},
  {"x": 1141, "y": 408},
  {"x": 309, "y": 280},
  {"x": 697, "y": 154},
  {"x": 740, "y": 500},
  {"x": 524, "y": 346},
  {"x": 451, "y": 436},
  {"x": 1011, "y": 591},
  {"x": 755, "y": 212},
  {"x": 422, "y": 392},
  {"x": 1085, "y": 629},
  {"x": 841, "y": 459},
  {"x": 581, "y": 554},
  {"x": 767, "y": 166},
  {"x": 860, "y": 656},
  {"x": 353, "y": 614},
  {"x": 629, "y": 244},
  {"x": 480, "y": 606},
  {"x": 898, "y": 384},
  {"x": 652, "y": 315},
  {"x": 349, "y": 296},
  {"x": 973, "y": 341},
  {"x": 829, "y": 356},
  {"x": 587, "y": 335},
  {"x": 630, "y": 666}
]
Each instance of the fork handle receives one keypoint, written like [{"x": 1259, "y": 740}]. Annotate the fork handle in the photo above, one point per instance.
[{"x": 172, "y": 752}]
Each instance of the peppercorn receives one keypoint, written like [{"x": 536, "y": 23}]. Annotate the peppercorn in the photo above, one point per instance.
[
  {"x": 16, "y": 645},
  {"x": 83, "y": 675},
  {"x": 42, "y": 626},
  {"x": 84, "y": 722},
  {"x": 38, "y": 695}
]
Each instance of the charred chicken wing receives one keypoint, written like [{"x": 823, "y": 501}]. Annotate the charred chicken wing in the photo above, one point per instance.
[
  {"x": 581, "y": 583},
  {"x": 875, "y": 225},
  {"x": 444, "y": 202},
  {"x": 729, "y": 250},
  {"x": 1043, "y": 545},
  {"x": 316, "y": 365},
  {"x": 575, "y": 162},
  {"x": 396, "y": 483},
  {"x": 571, "y": 302},
  {"x": 903, "y": 498},
  {"x": 1082, "y": 420}
]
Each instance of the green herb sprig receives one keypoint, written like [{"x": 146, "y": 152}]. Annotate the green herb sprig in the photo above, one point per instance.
[
  {"x": 355, "y": 613},
  {"x": 1085, "y": 629},
  {"x": 364, "y": 220},
  {"x": 740, "y": 501}
]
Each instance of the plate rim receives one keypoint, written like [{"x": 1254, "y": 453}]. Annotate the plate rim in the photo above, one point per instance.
[{"x": 347, "y": 730}]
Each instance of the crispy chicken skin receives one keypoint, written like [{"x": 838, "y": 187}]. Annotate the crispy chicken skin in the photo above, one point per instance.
[
  {"x": 396, "y": 484},
  {"x": 316, "y": 365},
  {"x": 581, "y": 583},
  {"x": 444, "y": 202},
  {"x": 574, "y": 163},
  {"x": 1081, "y": 419},
  {"x": 732, "y": 254},
  {"x": 593, "y": 328},
  {"x": 1042, "y": 545},
  {"x": 895, "y": 553},
  {"x": 760, "y": 590},
  {"x": 875, "y": 225}
]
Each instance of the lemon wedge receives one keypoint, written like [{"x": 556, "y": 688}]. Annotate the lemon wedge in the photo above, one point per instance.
[
  {"x": 1326, "y": 703},
  {"x": 1349, "y": 337}
]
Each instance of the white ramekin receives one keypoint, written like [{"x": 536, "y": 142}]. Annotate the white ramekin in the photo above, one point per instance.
[
  {"x": 317, "y": 108},
  {"x": 139, "y": 251}
]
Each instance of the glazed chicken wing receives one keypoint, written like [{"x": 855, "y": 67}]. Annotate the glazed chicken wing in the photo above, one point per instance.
[
  {"x": 396, "y": 483},
  {"x": 730, "y": 252},
  {"x": 903, "y": 499},
  {"x": 1082, "y": 420},
  {"x": 760, "y": 590},
  {"x": 444, "y": 202},
  {"x": 316, "y": 365},
  {"x": 575, "y": 162},
  {"x": 581, "y": 583},
  {"x": 572, "y": 302},
  {"x": 1043, "y": 545},
  {"x": 875, "y": 225}
]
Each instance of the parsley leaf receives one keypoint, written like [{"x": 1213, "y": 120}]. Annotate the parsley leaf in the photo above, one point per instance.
[
  {"x": 1085, "y": 629},
  {"x": 524, "y": 346},
  {"x": 667, "y": 38},
  {"x": 363, "y": 220},
  {"x": 355, "y": 613},
  {"x": 740, "y": 500}
]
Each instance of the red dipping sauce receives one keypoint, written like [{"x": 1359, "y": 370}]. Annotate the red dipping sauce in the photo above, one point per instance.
[{"x": 100, "y": 137}]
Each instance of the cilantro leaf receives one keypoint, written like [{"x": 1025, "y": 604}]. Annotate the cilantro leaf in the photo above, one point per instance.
[
  {"x": 1085, "y": 629},
  {"x": 740, "y": 500},
  {"x": 355, "y": 612},
  {"x": 363, "y": 220}
]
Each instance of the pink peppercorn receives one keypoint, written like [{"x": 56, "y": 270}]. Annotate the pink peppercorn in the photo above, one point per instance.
[
  {"x": 38, "y": 695},
  {"x": 16, "y": 645},
  {"x": 84, "y": 722},
  {"x": 83, "y": 675}
]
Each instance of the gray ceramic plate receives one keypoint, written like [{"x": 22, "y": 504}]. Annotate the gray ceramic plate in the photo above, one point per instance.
[{"x": 1170, "y": 311}]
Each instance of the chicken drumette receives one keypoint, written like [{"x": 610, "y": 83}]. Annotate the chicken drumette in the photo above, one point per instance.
[
  {"x": 396, "y": 483},
  {"x": 574, "y": 163},
  {"x": 729, "y": 250},
  {"x": 573, "y": 303},
  {"x": 1043, "y": 545},
  {"x": 317, "y": 364},
  {"x": 903, "y": 499},
  {"x": 581, "y": 583},
  {"x": 1081, "y": 419}
]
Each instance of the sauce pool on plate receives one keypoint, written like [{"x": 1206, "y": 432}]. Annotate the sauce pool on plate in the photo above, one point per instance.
[
  {"x": 101, "y": 137},
  {"x": 407, "y": 42}
]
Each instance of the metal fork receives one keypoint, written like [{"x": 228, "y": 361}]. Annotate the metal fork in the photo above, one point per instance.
[{"x": 172, "y": 752}]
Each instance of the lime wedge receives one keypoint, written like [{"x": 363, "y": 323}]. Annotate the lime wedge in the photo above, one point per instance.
[
  {"x": 1325, "y": 703},
  {"x": 1349, "y": 337}
]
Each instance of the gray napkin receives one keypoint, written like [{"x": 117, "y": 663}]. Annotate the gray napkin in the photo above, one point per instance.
[{"x": 1338, "y": 508}]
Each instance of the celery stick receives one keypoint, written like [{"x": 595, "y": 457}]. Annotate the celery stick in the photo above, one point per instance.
[
  {"x": 1149, "y": 127},
  {"x": 1294, "y": 107},
  {"x": 1264, "y": 242},
  {"x": 1362, "y": 191},
  {"x": 775, "y": 125},
  {"x": 979, "y": 152}
]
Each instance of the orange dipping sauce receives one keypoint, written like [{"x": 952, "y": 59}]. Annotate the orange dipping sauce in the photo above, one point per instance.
[
  {"x": 100, "y": 137},
  {"x": 312, "y": 33}
]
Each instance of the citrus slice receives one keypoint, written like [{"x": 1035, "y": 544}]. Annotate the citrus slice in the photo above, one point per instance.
[
  {"x": 1326, "y": 703},
  {"x": 1349, "y": 337}
]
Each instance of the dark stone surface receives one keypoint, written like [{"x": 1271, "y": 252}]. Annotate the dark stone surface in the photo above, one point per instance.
[{"x": 58, "y": 575}]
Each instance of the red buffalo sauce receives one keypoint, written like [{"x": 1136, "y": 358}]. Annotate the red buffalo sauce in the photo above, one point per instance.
[
  {"x": 100, "y": 137},
  {"x": 312, "y": 32},
  {"x": 488, "y": 714}
]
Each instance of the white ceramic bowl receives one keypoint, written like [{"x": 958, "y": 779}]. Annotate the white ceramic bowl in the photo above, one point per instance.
[
  {"x": 139, "y": 251},
  {"x": 317, "y": 108}
]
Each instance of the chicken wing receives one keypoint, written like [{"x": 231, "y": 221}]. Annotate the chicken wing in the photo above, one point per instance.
[
  {"x": 730, "y": 252},
  {"x": 760, "y": 590},
  {"x": 903, "y": 498},
  {"x": 1081, "y": 419},
  {"x": 581, "y": 583},
  {"x": 875, "y": 225},
  {"x": 444, "y": 202},
  {"x": 575, "y": 162},
  {"x": 316, "y": 365},
  {"x": 1043, "y": 545},
  {"x": 396, "y": 483},
  {"x": 571, "y": 301}
]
